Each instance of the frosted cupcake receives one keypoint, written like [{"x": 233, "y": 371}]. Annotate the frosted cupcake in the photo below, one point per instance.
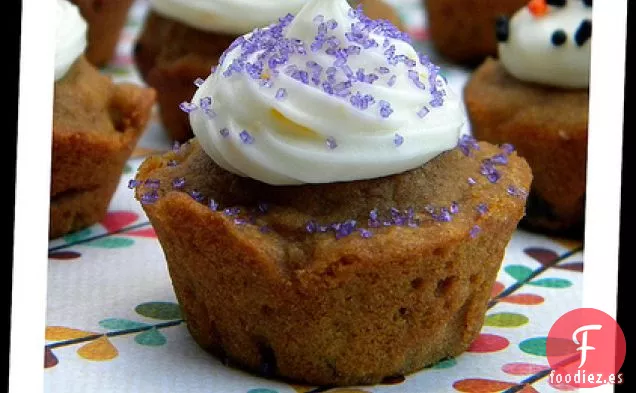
[
  {"x": 182, "y": 40},
  {"x": 536, "y": 97},
  {"x": 328, "y": 224},
  {"x": 96, "y": 125}
]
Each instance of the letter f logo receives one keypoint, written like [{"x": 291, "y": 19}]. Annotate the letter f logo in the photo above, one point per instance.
[{"x": 584, "y": 347}]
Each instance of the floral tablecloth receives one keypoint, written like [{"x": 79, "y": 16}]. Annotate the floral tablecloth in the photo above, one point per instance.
[{"x": 113, "y": 324}]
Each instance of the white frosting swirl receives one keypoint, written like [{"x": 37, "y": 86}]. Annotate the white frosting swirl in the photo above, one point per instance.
[
  {"x": 226, "y": 16},
  {"x": 70, "y": 37},
  {"x": 530, "y": 55},
  {"x": 300, "y": 122}
]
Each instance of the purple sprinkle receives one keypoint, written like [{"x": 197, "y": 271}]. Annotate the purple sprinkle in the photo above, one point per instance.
[
  {"x": 443, "y": 216},
  {"x": 494, "y": 176},
  {"x": 383, "y": 70},
  {"x": 466, "y": 143},
  {"x": 149, "y": 197},
  {"x": 385, "y": 109},
  {"x": 224, "y": 132},
  {"x": 172, "y": 163},
  {"x": 263, "y": 207},
  {"x": 176, "y": 146},
  {"x": 373, "y": 214},
  {"x": 499, "y": 159},
  {"x": 436, "y": 102},
  {"x": 423, "y": 112},
  {"x": 187, "y": 107},
  {"x": 346, "y": 228},
  {"x": 246, "y": 138},
  {"x": 454, "y": 208},
  {"x": 132, "y": 183},
  {"x": 281, "y": 94},
  {"x": 178, "y": 183},
  {"x": 213, "y": 205},
  {"x": 196, "y": 195},
  {"x": 152, "y": 183},
  {"x": 482, "y": 209},
  {"x": 199, "y": 81},
  {"x": 265, "y": 229},
  {"x": 474, "y": 231},
  {"x": 507, "y": 148},
  {"x": 205, "y": 102},
  {"x": 240, "y": 221},
  {"x": 332, "y": 24},
  {"x": 231, "y": 211},
  {"x": 331, "y": 143},
  {"x": 392, "y": 80},
  {"x": 471, "y": 181},
  {"x": 398, "y": 140},
  {"x": 364, "y": 233},
  {"x": 311, "y": 227}
]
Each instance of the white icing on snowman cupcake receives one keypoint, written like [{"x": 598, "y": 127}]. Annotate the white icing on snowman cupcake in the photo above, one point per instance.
[{"x": 548, "y": 42}]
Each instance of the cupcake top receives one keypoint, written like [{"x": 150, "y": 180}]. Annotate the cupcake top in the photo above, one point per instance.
[
  {"x": 226, "y": 16},
  {"x": 70, "y": 37},
  {"x": 326, "y": 96},
  {"x": 548, "y": 42}
]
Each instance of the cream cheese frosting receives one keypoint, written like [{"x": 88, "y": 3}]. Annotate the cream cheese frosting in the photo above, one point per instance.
[
  {"x": 226, "y": 16},
  {"x": 548, "y": 42},
  {"x": 326, "y": 96},
  {"x": 70, "y": 37}
]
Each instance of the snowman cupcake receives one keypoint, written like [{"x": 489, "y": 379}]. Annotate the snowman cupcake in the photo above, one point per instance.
[{"x": 536, "y": 97}]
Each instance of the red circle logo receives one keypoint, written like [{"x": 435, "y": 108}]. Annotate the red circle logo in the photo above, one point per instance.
[{"x": 585, "y": 348}]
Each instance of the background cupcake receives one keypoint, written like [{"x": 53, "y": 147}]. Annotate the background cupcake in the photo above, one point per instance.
[
  {"x": 462, "y": 31},
  {"x": 96, "y": 124},
  {"x": 536, "y": 97}
]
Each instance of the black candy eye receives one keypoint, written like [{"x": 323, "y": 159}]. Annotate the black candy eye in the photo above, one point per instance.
[
  {"x": 583, "y": 33},
  {"x": 502, "y": 28},
  {"x": 559, "y": 37},
  {"x": 556, "y": 3},
  {"x": 588, "y": 3}
]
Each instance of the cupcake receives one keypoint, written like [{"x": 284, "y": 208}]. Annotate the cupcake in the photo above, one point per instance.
[
  {"x": 328, "y": 224},
  {"x": 462, "y": 31},
  {"x": 105, "y": 19},
  {"x": 182, "y": 40},
  {"x": 96, "y": 125},
  {"x": 536, "y": 97}
]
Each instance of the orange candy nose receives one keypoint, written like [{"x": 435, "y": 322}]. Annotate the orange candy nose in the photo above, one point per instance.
[{"x": 538, "y": 7}]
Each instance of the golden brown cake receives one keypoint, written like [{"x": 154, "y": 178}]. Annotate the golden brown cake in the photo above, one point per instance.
[
  {"x": 106, "y": 19},
  {"x": 266, "y": 280},
  {"x": 536, "y": 97},
  {"x": 463, "y": 31},
  {"x": 96, "y": 125},
  {"x": 171, "y": 55}
]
